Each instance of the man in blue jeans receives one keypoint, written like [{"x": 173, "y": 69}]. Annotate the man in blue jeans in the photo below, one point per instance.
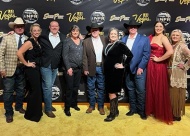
[
  {"x": 92, "y": 66},
  {"x": 51, "y": 42},
  {"x": 11, "y": 69},
  {"x": 136, "y": 72}
]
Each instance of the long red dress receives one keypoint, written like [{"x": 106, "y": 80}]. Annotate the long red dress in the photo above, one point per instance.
[{"x": 157, "y": 87}]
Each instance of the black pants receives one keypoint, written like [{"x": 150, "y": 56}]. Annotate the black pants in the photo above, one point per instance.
[{"x": 73, "y": 83}]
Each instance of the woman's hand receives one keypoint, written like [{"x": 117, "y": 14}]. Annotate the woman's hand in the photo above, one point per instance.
[
  {"x": 181, "y": 66},
  {"x": 31, "y": 64},
  {"x": 118, "y": 66},
  {"x": 154, "y": 58},
  {"x": 70, "y": 72}
]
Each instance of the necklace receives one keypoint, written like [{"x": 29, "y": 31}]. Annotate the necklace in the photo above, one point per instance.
[{"x": 106, "y": 51}]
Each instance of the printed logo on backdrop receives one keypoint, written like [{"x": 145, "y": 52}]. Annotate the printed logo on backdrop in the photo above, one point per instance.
[
  {"x": 1, "y": 92},
  {"x": 50, "y": 0},
  {"x": 180, "y": 19},
  {"x": 76, "y": 2},
  {"x": 7, "y": 14},
  {"x": 186, "y": 95},
  {"x": 81, "y": 92},
  {"x": 165, "y": 1},
  {"x": 164, "y": 17},
  {"x": 119, "y": 18},
  {"x": 121, "y": 94},
  {"x": 54, "y": 16},
  {"x": 144, "y": 17},
  {"x": 75, "y": 17},
  {"x": 6, "y": 0},
  {"x": 55, "y": 92},
  {"x": 120, "y": 1},
  {"x": 97, "y": 17},
  {"x": 142, "y": 2},
  {"x": 30, "y": 15},
  {"x": 184, "y": 2},
  {"x": 186, "y": 35}
]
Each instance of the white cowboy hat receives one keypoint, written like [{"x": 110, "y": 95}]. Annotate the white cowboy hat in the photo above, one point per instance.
[{"x": 18, "y": 21}]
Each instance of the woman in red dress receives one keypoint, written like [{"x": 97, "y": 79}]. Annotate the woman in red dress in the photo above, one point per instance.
[{"x": 157, "y": 84}]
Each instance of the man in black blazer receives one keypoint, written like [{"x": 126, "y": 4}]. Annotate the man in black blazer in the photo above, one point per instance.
[{"x": 51, "y": 42}]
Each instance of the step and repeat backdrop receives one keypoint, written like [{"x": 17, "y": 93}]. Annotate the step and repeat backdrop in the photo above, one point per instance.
[{"x": 110, "y": 13}]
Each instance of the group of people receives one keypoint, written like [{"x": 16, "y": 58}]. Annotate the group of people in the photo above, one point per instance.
[{"x": 152, "y": 68}]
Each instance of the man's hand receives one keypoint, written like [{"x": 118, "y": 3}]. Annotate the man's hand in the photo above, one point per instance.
[
  {"x": 86, "y": 73},
  {"x": 139, "y": 71},
  {"x": 3, "y": 74},
  {"x": 70, "y": 72}
]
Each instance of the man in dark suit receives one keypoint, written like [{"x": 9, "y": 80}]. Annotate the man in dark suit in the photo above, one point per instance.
[
  {"x": 136, "y": 73},
  {"x": 92, "y": 66},
  {"x": 51, "y": 42}
]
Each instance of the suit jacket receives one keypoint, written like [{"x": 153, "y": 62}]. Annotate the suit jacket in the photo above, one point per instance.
[
  {"x": 51, "y": 55},
  {"x": 8, "y": 54},
  {"x": 141, "y": 52},
  {"x": 89, "y": 56}
]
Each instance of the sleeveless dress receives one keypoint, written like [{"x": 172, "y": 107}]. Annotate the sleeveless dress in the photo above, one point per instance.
[
  {"x": 157, "y": 87},
  {"x": 33, "y": 79}
]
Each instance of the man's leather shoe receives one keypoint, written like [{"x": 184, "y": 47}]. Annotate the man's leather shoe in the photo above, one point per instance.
[
  {"x": 67, "y": 112},
  {"x": 101, "y": 111},
  {"x": 76, "y": 108},
  {"x": 9, "y": 119},
  {"x": 130, "y": 113},
  {"x": 52, "y": 108},
  {"x": 89, "y": 110},
  {"x": 22, "y": 111},
  {"x": 50, "y": 114},
  {"x": 143, "y": 116},
  {"x": 176, "y": 118}
]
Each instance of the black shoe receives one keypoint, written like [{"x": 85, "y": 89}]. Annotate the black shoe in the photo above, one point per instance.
[
  {"x": 143, "y": 116},
  {"x": 53, "y": 109},
  {"x": 67, "y": 112},
  {"x": 176, "y": 118},
  {"x": 9, "y": 119},
  {"x": 130, "y": 113},
  {"x": 76, "y": 108},
  {"x": 109, "y": 118},
  {"x": 22, "y": 111}
]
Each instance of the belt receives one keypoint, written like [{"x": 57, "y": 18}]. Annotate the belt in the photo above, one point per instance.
[
  {"x": 171, "y": 67},
  {"x": 98, "y": 64}
]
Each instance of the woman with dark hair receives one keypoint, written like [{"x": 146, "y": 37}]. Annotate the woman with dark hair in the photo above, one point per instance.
[
  {"x": 114, "y": 69},
  {"x": 29, "y": 54},
  {"x": 178, "y": 65},
  {"x": 157, "y": 95},
  {"x": 72, "y": 59}
]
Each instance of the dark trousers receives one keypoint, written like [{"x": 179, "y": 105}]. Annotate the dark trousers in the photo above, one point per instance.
[
  {"x": 73, "y": 83},
  {"x": 10, "y": 84},
  {"x": 34, "y": 102}
]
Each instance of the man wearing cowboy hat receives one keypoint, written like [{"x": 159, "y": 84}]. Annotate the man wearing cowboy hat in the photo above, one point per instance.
[
  {"x": 136, "y": 73},
  {"x": 11, "y": 69},
  {"x": 92, "y": 66}
]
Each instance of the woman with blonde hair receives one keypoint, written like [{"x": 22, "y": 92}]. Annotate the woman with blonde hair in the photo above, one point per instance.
[
  {"x": 178, "y": 65},
  {"x": 29, "y": 54}
]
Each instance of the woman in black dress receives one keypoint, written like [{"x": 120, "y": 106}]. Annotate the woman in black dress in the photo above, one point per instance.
[
  {"x": 114, "y": 66},
  {"x": 29, "y": 54}
]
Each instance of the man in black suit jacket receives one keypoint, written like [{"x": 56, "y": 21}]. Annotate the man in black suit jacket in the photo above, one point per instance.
[{"x": 51, "y": 43}]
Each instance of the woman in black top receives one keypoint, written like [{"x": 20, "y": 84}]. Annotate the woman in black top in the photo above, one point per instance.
[
  {"x": 29, "y": 54},
  {"x": 72, "y": 59},
  {"x": 114, "y": 69}
]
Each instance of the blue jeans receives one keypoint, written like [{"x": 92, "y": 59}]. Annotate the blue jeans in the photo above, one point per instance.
[
  {"x": 136, "y": 90},
  {"x": 48, "y": 79},
  {"x": 14, "y": 83},
  {"x": 95, "y": 86}
]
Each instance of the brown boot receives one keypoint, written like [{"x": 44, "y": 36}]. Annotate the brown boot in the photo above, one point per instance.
[{"x": 89, "y": 110}]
